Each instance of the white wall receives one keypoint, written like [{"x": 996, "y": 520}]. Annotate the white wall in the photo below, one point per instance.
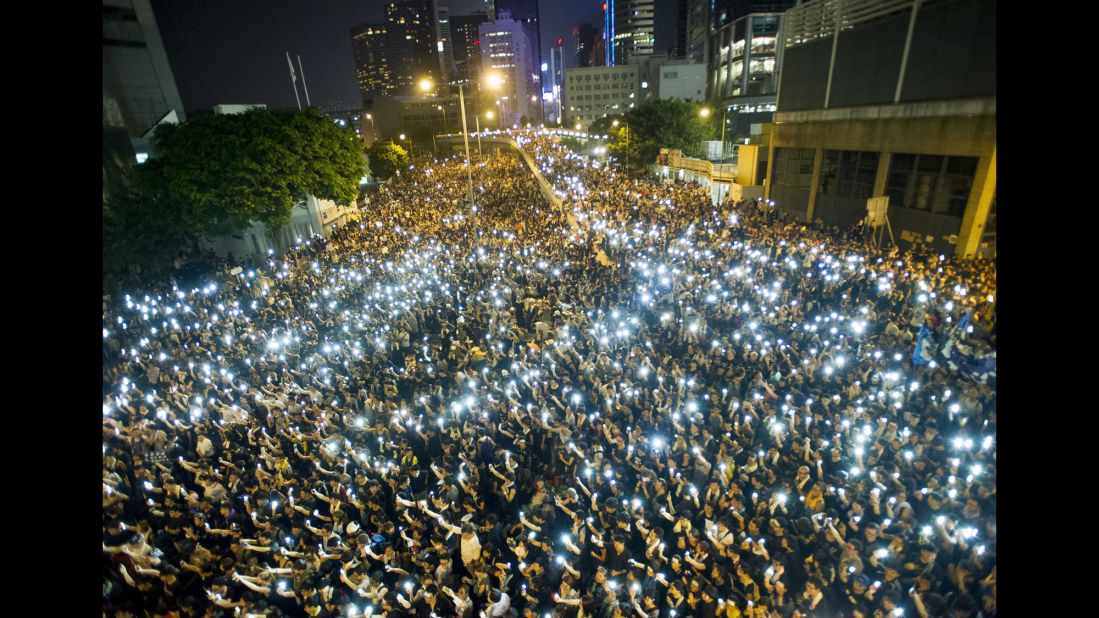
[
  {"x": 683, "y": 81},
  {"x": 312, "y": 216}
]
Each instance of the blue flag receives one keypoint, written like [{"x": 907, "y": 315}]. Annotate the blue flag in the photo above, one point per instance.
[
  {"x": 922, "y": 354},
  {"x": 963, "y": 324}
]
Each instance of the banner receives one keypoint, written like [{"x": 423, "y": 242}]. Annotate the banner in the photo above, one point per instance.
[{"x": 923, "y": 353}]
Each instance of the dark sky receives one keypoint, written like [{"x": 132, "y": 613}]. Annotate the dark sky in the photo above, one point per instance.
[{"x": 233, "y": 51}]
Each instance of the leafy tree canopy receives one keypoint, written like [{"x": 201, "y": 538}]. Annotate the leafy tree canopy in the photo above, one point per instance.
[
  {"x": 387, "y": 158},
  {"x": 663, "y": 123},
  {"x": 223, "y": 172}
]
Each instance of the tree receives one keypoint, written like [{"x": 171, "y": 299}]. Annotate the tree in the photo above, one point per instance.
[
  {"x": 224, "y": 172},
  {"x": 387, "y": 158},
  {"x": 141, "y": 230},
  {"x": 605, "y": 125},
  {"x": 217, "y": 174},
  {"x": 663, "y": 123}
]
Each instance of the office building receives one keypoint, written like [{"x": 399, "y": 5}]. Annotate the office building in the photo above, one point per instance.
[
  {"x": 372, "y": 70},
  {"x": 419, "y": 115},
  {"x": 899, "y": 102},
  {"x": 698, "y": 30},
  {"x": 630, "y": 31},
  {"x": 466, "y": 35},
  {"x": 392, "y": 57},
  {"x": 526, "y": 13},
  {"x": 583, "y": 37},
  {"x": 444, "y": 44},
  {"x": 137, "y": 79},
  {"x": 594, "y": 92},
  {"x": 505, "y": 51},
  {"x": 412, "y": 45}
]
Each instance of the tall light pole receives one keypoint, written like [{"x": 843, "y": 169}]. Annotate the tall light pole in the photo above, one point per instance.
[
  {"x": 477, "y": 121},
  {"x": 373, "y": 129},
  {"x": 615, "y": 124},
  {"x": 446, "y": 126},
  {"x": 705, "y": 113},
  {"x": 425, "y": 87},
  {"x": 465, "y": 138},
  {"x": 724, "y": 113},
  {"x": 402, "y": 138}
]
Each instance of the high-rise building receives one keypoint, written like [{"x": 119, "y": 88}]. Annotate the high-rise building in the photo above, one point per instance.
[
  {"x": 629, "y": 30},
  {"x": 526, "y": 13},
  {"x": 506, "y": 52},
  {"x": 444, "y": 43},
  {"x": 372, "y": 70},
  {"x": 584, "y": 36},
  {"x": 466, "y": 35},
  {"x": 682, "y": 10},
  {"x": 412, "y": 45},
  {"x": 698, "y": 30},
  {"x": 745, "y": 60},
  {"x": 392, "y": 57},
  {"x": 136, "y": 73}
]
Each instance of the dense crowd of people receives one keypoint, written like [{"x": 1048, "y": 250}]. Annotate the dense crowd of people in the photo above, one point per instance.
[{"x": 625, "y": 400}]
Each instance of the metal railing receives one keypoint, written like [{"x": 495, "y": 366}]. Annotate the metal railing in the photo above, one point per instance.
[{"x": 819, "y": 19}]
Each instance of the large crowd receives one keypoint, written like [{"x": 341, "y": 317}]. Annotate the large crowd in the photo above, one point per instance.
[{"x": 624, "y": 400}]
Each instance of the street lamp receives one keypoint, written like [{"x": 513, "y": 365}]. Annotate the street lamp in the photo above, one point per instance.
[
  {"x": 615, "y": 124},
  {"x": 373, "y": 130},
  {"x": 409, "y": 138},
  {"x": 705, "y": 113},
  {"x": 446, "y": 126},
  {"x": 425, "y": 85},
  {"x": 465, "y": 136}
]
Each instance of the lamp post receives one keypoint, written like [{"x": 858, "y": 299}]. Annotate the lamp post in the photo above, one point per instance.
[
  {"x": 402, "y": 137},
  {"x": 705, "y": 113},
  {"x": 465, "y": 138},
  {"x": 426, "y": 87},
  {"x": 446, "y": 126},
  {"x": 373, "y": 130},
  {"x": 615, "y": 124}
]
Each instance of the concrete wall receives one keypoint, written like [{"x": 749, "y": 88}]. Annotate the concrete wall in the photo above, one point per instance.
[
  {"x": 889, "y": 130},
  {"x": 682, "y": 81}
]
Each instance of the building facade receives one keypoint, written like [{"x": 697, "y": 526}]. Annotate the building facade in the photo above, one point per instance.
[
  {"x": 466, "y": 35},
  {"x": 136, "y": 73},
  {"x": 632, "y": 34},
  {"x": 506, "y": 52},
  {"x": 594, "y": 92},
  {"x": 584, "y": 36},
  {"x": 681, "y": 79},
  {"x": 444, "y": 43},
  {"x": 526, "y": 12},
  {"x": 899, "y": 102},
  {"x": 392, "y": 57},
  {"x": 698, "y": 30},
  {"x": 372, "y": 71}
]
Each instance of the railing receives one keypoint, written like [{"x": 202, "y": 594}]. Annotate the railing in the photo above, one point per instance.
[{"x": 818, "y": 19}]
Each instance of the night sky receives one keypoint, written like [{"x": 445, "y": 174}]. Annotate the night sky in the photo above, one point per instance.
[{"x": 234, "y": 51}]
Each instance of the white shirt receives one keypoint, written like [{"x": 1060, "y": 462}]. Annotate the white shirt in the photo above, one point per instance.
[
  {"x": 471, "y": 550},
  {"x": 501, "y": 607}
]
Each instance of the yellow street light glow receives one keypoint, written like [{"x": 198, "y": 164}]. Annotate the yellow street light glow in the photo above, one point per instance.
[
  {"x": 704, "y": 112},
  {"x": 493, "y": 80},
  {"x": 425, "y": 85},
  {"x": 489, "y": 114},
  {"x": 402, "y": 136}
]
